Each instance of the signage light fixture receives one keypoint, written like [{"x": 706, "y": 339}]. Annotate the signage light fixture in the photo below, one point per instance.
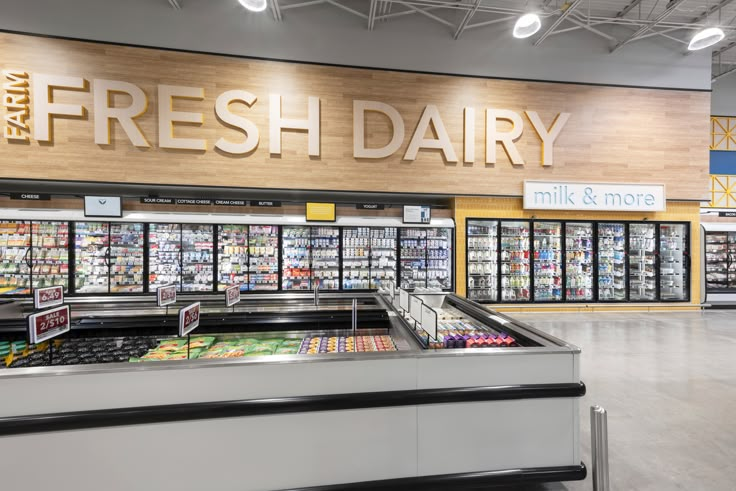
[
  {"x": 254, "y": 5},
  {"x": 706, "y": 38},
  {"x": 527, "y": 25}
]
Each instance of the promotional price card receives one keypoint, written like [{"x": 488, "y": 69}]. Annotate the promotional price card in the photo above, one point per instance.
[
  {"x": 429, "y": 321},
  {"x": 232, "y": 295},
  {"x": 48, "y": 324},
  {"x": 188, "y": 319},
  {"x": 166, "y": 295},
  {"x": 404, "y": 299},
  {"x": 415, "y": 308},
  {"x": 48, "y": 297}
]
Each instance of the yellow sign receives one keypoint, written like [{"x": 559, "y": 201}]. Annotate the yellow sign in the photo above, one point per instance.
[{"x": 321, "y": 212}]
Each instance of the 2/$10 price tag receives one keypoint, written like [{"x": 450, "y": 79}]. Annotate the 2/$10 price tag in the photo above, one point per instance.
[
  {"x": 166, "y": 295},
  {"x": 48, "y": 324},
  {"x": 232, "y": 295},
  {"x": 188, "y": 319}
]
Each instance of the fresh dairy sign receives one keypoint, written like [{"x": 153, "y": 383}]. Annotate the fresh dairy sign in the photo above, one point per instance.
[{"x": 556, "y": 195}]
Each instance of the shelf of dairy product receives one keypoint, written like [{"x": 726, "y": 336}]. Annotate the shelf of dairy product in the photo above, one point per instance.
[
  {"x": 413, "y": 257},
  {"x": 731, "y": 260},
  {"x": 126, "y": 257},
  {"x": 547, "y": 261},
  {"x": 578, "y": 261},
  {"x": 673, "y": 267},
  {"x": 439, "y": 258},
  {"x": 611, "y": 262},
  {"x": 383, "y": 256},
  {"x": 232, "y": 256},
  {"x": 50, "y": 254},
  {"x": 356, "y": 258},
  {"x": 164, "y": 255},
  {"x": 717, "y": 262},
  {"x": 457, "y": 330},
  {"x": 15, "y": 249},
  {"x": 326, "y": 257},
  {"x": 91, "y": 250},
  {"x": 295, "y": 258},
  {"x": 515, "y": 272},
  {"x": 482, "y": 236},
  {"x": 642, "y": 259},
  {"x": 197, "y": 243},
  {"x": 263, "y": 251}
]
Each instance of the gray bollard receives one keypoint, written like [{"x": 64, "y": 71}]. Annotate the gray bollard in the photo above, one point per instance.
[{"x": 599, "y": 447}]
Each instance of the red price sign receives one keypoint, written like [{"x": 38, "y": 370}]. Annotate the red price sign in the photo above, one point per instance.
[
  {"x": 48, "y": 324},
  {"x": 188, "y": 319},
  {"x": 48, "y": 297},
  {"x": 166, "y": 295},
  {"x": 232, "y": 295}
]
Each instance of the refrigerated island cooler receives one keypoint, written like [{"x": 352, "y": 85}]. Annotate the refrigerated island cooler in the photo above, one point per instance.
[{"x": 273, "y": 392}]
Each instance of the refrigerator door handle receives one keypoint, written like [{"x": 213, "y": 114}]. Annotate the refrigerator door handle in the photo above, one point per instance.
[
  {"x": 27, "y": 259},
  {"x": 107, "y": 257}
]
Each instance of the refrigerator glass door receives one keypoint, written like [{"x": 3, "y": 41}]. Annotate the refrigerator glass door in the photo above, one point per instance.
[
  {"x": 326, "y": 257},
  {"x": 547, "y": 261},
  {"x": 91, "y": 257},
  {"x": 579, "y": 261},
  {"x": 263, "y": 249},
  {"x": 164, "y": 255},
  {"x": 439, "y": 258},
  {"x": 482, "y": 236},
  {"x": 15, "y": 258},
  {"x": 295, "y": 257},
  {"x": 673, "y": 263},
  {"x": 515, "y": 274},
  {"x": 413, "y": 257},
  {"x": 717, "y": 265},
  {"x": 232, "y": 256},
  {"x": 611, "y": 262},
  {"x": 126, "y": 257},
  {"x": 642, "y": 254},
  {"x": 50, "y": 254},
  {"x": 383, "y": 256},
  {"x": 356, "y": 258},
  {"x": 197, "y": 243}
]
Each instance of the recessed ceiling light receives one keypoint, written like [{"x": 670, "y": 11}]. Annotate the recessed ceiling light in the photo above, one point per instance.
[
  {"x": 254, "y": 5},
  {"x": 705, "y": 38},
  {"x": 527, "y": 25}
]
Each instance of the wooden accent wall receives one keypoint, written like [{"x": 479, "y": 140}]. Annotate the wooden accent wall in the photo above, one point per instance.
[{"x": 614, "y": 134}]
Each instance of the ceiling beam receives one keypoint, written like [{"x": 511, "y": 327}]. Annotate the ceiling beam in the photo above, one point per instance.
[
  {"x": 425, "y": 13},
  {"x": 175, "y": 4},
  {"x": 468, "y": 15},
  {"x": 276, "y": 11},
  {"x": 372, "y": 14},
  {"x": 347, "y": 9},
  {"x": 557, "y": 22},
  {"x": 671, "y": 7},
  {"x": 714, "y": 8},
  {"x": 631, "y": 6},
  {"x": 730, "y": 71}
]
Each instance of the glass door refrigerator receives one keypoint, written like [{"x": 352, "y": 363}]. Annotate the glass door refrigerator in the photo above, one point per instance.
[
  {"x": 383, "y": 256},
  {"x": 482, "y": 237},
  {"x": 717, "y": 264},
  {"x": 547, "y": 261},
  {"x": 612, "y": 262},
  {"x": 674, "y": 262},
  {"x": 578, "y": 262},
  {"x": 126, "y": 257},
  {"x": 164, "y": 255},
  {"x": 515, "y": 273},
  {"x": 642, "y": 262},
  {"x": 295, "y": 258},
  {"x": 356, "y": 254},
  {"x": 91, "y": 257},
  {"x": 325, "y": 242},
  {"x": 232, "y": 256},
  {"x": 197, "y": 267},
  {"x": 413, "y": 258},
  {"x": 15, "y": 261},
  {"x": 263, "y": 252},
  {"x": 50, "y": 254},
  {"x": 439, "y": 258}
]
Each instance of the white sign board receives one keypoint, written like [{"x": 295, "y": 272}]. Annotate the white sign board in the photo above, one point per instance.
[
  {"x": 417, "y": 214},
  {"x": 188, "y": 319},
  {"x": 48, "y": 297},
  {"x": 404, "y": 299},
  {"x": 103, "y": 206},
  {"x": 559, "y": 195},
  {"x": 232, "y": 295},
  {"x": 429, "y": 321},
  {"x": 415, "y": 308}
]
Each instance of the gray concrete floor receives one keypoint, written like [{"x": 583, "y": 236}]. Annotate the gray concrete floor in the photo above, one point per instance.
[{"x": 668, "y": 382}]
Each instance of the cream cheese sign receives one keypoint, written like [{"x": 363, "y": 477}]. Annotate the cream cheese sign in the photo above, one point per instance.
[{"x": 547, "y": 195}]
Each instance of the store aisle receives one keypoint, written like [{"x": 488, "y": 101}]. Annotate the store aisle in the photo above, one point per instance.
[{"x": 668, "y": 381}]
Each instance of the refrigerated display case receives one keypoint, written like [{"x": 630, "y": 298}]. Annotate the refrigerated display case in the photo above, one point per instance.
[
  {"x": 515, "y": 273},
  {"x": 612, "y": 262},
  {"x": 413, "y": 256},
  {"x": 356, "y": 258},
  {"x": 674, "y": 262},
  {"x": 717, "y": 262},
  {"x": 295, "y": 258},
  {"x": 547, "y": 261},
  {"x": 50, "y": 254},
  {"x": 126, "y": 257},
  {"x": 578, "y": 261},
  {"x": 263, "y": 252},
  {"x": 383, "y": 256},
  {"x": 325, "y": 251},
  {"x": 91, "y": 257},
  {"x": 164, "y": 255},
  {"x": 197, "y": 243},
  {"x": 232, "y": 256},
  {"x": 439, "y": 258},
  {"x": 15, "y": 248},
  {"x": 642, "y": 262},
  {"x": 482, "y": 260}
]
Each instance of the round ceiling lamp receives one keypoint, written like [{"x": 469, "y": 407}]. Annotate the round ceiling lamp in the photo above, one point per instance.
[
  {"x": 706, "y": 38},
  {"x": 254, "y": 5},
  {"x": 527, "y": 25}
]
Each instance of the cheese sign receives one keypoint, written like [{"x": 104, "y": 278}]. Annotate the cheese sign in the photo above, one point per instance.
[
  {"x": 48, "y": 324},
  {"x": 188, "y": 319},
  {"x": 48, "y": 297},
  {"x": 166, "y": 295},
  {"x": 232, "y": 295}
]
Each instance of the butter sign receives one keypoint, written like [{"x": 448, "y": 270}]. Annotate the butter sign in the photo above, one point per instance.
[{"x": 48, "y": 324}]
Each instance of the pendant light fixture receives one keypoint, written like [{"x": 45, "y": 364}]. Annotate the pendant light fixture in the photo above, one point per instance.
[
  {"x": 254, "y": 5},
  {"x": 527, "y": 25},
  {"x": 708, "y": 36}
]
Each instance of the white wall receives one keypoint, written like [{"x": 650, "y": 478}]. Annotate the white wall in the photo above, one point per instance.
[
  {"x": 328, "y": 35},
  {"x": 723, "y": 98}
]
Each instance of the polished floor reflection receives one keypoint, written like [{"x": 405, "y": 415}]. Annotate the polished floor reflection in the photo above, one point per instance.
[{"x": 668, "y": 381}]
